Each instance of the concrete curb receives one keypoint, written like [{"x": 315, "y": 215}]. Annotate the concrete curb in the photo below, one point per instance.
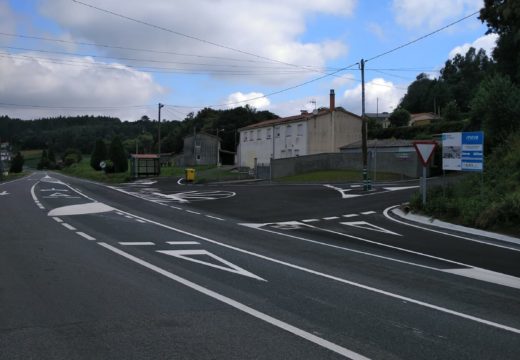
[{"x": 448, "y": 226}]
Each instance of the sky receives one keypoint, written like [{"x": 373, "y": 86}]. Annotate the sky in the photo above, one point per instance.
[{"x": 121, "y": 58}]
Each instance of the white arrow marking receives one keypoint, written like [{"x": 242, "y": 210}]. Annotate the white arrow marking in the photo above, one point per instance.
[
  {"x": 185, "y": 254},
  {"x": 400, "y": 188},
  {"x": 368, "y": 226},
  {"x": 4, "y": 193},
  {"x": 53, "y": 189},
  {"x": 81, "y": 209},
  {"x": 343, "y": 192},
  {"x": 58, "y": 195}
]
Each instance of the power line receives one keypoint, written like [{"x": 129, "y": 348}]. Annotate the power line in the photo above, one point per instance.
[
  {"x": 183, "y": 35},
  {"x": 421, "y": 37}
]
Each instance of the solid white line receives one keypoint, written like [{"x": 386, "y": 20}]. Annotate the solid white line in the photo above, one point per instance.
[
  {"x": 32, "y": 192},
  {"x": 136, "y": 243},
  {"x": 241, "y": 307},
  {"x": 385, "y": 212},
  {"x": 487, "y": 275},
  {"x": 57, "y": 219},
  {"x": 70, "y": 227},
  {"x": 368, "y": 212},
  {"x": 183, "y": 242},
  {"x": 350, "y": 215},
  {"x": 176, "y": 208},
  {"x": 86, "y": 236},
  {"x": 331, "y": 218},
  {"x": 214, "y": 217},
  {"x": 310, "y": 220},
  {"x": 193, "y": 212}
]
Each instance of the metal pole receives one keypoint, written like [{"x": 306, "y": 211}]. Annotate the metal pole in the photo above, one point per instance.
[
  {"x": 159, "y": 133},
  {"x": 364, "y": 149},
  {"x": 218, "y": 149},
  {"x": 424, "y": 185}
]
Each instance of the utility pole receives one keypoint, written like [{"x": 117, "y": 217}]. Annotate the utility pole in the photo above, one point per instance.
[
  {"x": 364, "y": 130},
  {"x": 159, "y": 131}
]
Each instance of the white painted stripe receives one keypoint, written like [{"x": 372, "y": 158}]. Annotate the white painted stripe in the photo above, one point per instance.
[
  {"x": 368, "y": 212},
  {"x": 183, "y": 242},
  {"x": 214, "y": 217},
  {"x": 136, "y": 243},
  {"x": 128, "y": 217},
  {"x": 176, "y": 208},
  {"x": 350, "y": 215},
  {"x": 487, "y": 275},
  {"x": 141, "y": 221},
  {"x": 310, "y": 220},
  {"x": 70, "y": 227},
  {"x": 241, "y": 307},
  {"x": 86, "y": 236},
  {"x": 81, "y": 209},
  {"x": 344, "y": 281},
  {"x": 57, "y": 219},
  {"x": 120, "y": 213},
  {"x": 193, "y": 212},
  {"x": 331, "y": 218},
  {"x": 32, "y": 192},
  {"x": 385, "y": 212}
]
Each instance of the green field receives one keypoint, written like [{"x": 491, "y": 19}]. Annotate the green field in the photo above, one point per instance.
[{"x": 31, "y": 158}]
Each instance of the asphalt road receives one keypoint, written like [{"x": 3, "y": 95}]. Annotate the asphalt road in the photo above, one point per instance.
[{"x": 158, "y": 270}]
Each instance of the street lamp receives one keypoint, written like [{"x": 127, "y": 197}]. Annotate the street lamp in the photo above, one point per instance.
[{"x": 218, "y": 146}]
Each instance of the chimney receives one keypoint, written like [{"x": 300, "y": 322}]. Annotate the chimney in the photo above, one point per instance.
[
  {"x": 332, "y": 100},
  {"x": 304, "y": 112}
]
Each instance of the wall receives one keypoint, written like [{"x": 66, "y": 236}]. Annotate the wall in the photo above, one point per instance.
[
  {"x": 203, "y": 152},
  {"x": 397, "y": 163}
]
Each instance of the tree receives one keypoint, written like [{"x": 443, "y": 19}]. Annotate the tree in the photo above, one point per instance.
[
  {"x": 99, "y": 154},
  {"x": 451, "y": 111},
  {"x": 420, "y": 95},
  {"x": 399, "y": 117},
  {"x": 44, "y": 161},
  {"x": 17, "y": 163},
  {"x": 496, "y": 107},
  {"x": 117, "y": 154},
  {"x": 503, "y": 18}
]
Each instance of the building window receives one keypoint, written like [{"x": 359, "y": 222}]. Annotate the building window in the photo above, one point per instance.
[
  {"x": 251, "y": 138},
  {"x": 300, "y": 130},
  {"x": 277, "y": 130},
  {"x": 289, "y": 152},
  {"x": 244, "y": 136},
  {"x": 296, "y": 152},
  {"x": 267, "y": 133},
  {"x": 288, "y": 130},
  {"x": 258, "y": 134}
]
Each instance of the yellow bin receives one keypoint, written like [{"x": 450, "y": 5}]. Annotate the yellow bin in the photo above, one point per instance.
[{"x": 189, "y": 174}]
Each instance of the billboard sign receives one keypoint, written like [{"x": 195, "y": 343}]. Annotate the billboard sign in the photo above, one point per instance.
[{"x": 463, "y": 151}]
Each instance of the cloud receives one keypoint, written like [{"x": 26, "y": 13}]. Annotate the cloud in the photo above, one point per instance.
[
  {"x": 253, "y": 99},
  {"x": 377, "y": 30},
  {"x": 82, "y": 84},
  {"x": 486, "y": 42},
  {"x": 7, "y": 21},
  {"x": 419, "y": 13},
  {"x": 271, "y": 29},
  {"x": 380, "y": 95}
]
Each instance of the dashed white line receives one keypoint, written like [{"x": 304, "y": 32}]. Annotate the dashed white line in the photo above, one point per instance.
[
  {"x": 86, "y": 236},
  {"x": 183, "y": 242},
  {"x": 368, "y": 212},
  {"x": 310, "y": 220},
  {"x": 214, "y": 217},
  {"x": 176, "y": 208},
  {"x": 129, "y": 217},
  {"x": 331, "y": 218},
  {"x": 136, "y": 243},
  {"x": 193, "y": 212},
  {"x": 350, "y": 215},
  {"x": 70, "y": 227},
  {"x": 140, "y": 221},
  {"x": 57, "y": 219}
]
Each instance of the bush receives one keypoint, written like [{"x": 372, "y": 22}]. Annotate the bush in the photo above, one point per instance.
[
  {"x": 98, "y": 154},
  {"x": 17, "y": 163}
]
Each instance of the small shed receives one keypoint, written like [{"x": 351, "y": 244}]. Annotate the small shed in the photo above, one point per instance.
[{"x": 144, "y": 165}]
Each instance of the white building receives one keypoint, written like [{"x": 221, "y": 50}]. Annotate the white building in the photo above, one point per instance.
[{"x": 322, "y": 131}]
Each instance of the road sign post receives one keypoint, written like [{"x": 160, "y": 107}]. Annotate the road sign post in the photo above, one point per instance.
[{"x": 425, "y": 151}]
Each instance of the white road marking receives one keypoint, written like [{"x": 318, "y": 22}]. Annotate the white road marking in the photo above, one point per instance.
[
  {"x": 310, "y": 220},
  {"x": 188, "y": 255},
  {"x": 241, "y": 307},
  {"x": 400, "y": 188},
  {"x": 193, "y": 212},
  {"x": 487, "y": 275},
  {"x": 368, "y": 212},
  {"x": 70, "y": 227},
  {"x": 140, "y": 221},
  {"x": 176, "y": 208},
  {"x": 86, "y": 236},
  {"x": 385, "y": 212},
  {"x": 368, "y": 226},
  {"x": 57, "y": 219},
  {"x": 54, "y": 189},
  {"x": 183, "y": 242},
  {"x": 331, "y": 218},
  {"x": 343, "y": 192},
  {"x": 136, "y": 243},
  {"x": 129, "y": 217},
  {"x": 350, "y": 215},
  {"x": 81, "y": 209},
  {"x": 4, "y": 193},
  {"x": 214, "y": 217},
  {"x": 179, "y": 182}
]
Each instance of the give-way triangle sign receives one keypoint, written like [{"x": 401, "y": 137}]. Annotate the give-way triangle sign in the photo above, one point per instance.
[
  {"x": 191, "y": 255},
  {"x": 425, "y": 150}
]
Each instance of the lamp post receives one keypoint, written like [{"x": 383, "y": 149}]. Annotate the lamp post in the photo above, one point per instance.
[
  {"x": 159, "y": 131},
  {"x": 218, "y": 147}
]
